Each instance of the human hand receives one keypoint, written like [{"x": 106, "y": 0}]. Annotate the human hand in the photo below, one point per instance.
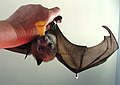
[
  {"x": 24, "y": 19},
  {"x": 33, "y": 13}
]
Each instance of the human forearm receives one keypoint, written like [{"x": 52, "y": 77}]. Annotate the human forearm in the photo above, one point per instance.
[{"x": 12, "y": 34}]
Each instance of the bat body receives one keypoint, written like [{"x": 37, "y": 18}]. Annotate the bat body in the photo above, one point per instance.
[{"x": 75, "y": 57}]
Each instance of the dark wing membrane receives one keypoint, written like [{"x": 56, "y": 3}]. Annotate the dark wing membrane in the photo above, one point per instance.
[
  {"x": 79, "y": 58},
  {"x": 22, "y": 49}
]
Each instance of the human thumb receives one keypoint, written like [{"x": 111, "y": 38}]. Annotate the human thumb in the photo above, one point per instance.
[{"x": 53, "y": 12}]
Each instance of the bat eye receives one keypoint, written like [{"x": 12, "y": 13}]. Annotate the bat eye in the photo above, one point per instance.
[{"x": 40, "y": 48}]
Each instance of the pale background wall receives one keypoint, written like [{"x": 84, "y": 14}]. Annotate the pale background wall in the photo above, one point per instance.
[{"x": 82, "y": 21}]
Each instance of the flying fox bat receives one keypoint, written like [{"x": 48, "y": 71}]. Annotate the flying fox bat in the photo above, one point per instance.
[{"x": 76, "y": 58}]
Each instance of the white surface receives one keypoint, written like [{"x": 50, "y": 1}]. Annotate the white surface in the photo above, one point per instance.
[{"x": 82, "y": 21}]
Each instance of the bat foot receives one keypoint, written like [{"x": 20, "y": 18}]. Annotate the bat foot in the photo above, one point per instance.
[{"x": 76, "y": 76}]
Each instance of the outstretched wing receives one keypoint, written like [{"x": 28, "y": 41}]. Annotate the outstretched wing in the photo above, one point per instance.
[{"x": 79, "y": 58}]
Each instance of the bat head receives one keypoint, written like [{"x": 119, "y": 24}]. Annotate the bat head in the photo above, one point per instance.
[{"x": 44, "y": 48}]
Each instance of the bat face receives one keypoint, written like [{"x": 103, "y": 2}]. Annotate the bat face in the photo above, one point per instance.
[{"x": 43, "y": 49}]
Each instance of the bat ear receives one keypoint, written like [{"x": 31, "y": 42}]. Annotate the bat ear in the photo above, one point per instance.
[
  {"x": 26, "y": 56},
  {"x": 28, "y": 51},
  {"x": 39, "y": 61}
]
